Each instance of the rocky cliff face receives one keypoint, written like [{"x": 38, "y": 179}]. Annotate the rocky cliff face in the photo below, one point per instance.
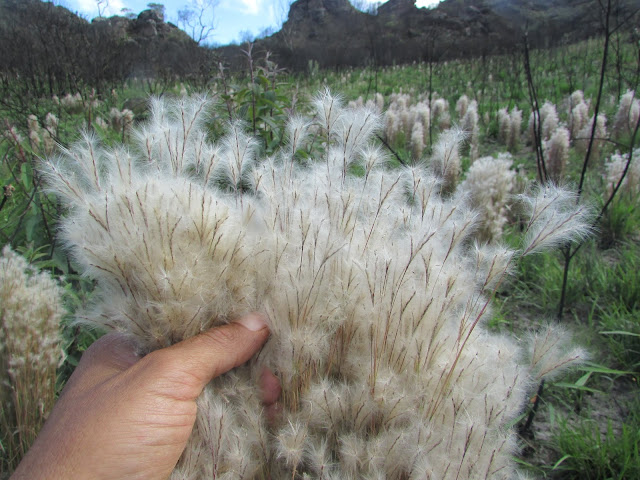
[
  {"x": 148, "y": 25},
  {"x": 333, "y": 33}
]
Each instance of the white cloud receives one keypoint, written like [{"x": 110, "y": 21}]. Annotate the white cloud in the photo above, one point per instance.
[
  {"x": 115, "y": 6},
  {"x": 90, "y": 7},
  {"x": 427, "y": 3},
  {"x": 251, "y": 7}
]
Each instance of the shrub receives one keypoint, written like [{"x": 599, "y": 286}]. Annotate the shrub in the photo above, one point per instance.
[{"x": 375, "y": 297}]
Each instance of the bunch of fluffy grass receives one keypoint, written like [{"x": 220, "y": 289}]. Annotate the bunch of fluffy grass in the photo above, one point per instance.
[
  {"x": 600, "y": 135},
  {"x": 614, "y": 169},
  {"x": 509, "y": 125},
  {"x": 411, "y": 120},
  {"x": 41, "y": 140},
  {"x": 121, "y": 121},
  {"x": 627, "y": 115},
  {"x": 489, "y": 184},
  {"x": 374, "y": 296},
  {"x": 578, "y": 111},
  {"x": 557, "y": 152},
  {"x": 470, "y": 125},
  {"x": 30, "y": 352},
  {"x": 548, "y": 122}
]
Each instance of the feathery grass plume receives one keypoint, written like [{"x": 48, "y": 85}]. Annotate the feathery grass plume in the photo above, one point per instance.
[
  {"x": 72, "y": 103},
  {"x": 548, "y": 119},
  {"x": 471, "y": 129},
  {"x": 374, "y": 293},
  {"x": 391, "y": 126},
  {"x": 576, "y": 113},
  {"x": 513, "y": 139},
  {"x": 627, "y": 115},
  {"x": 440, "y": 111},
  {"x": 600, "y": 135},
  {"x": 237, "y": 158},
  {"x": 489, "y": 184},
  {"x": 423, "y": 115},
  {"x": 578, "y": 118},
  {"x": 548, "y": 122},
  {"x": 417, "y": 140},
  {"x": 33, "y": 126},
  {"x": 297, "y": 131},
  {"x": 30, "y": 352},
  {"x": 551, "y": 351},
  {"x": 504, "y": 125},
  {"x": 554, "y": 218},
  {"x": 445, "y": 159},
  {"x": 461, "y": 106},
  {"x": 614, "y": 168},
  {"x": 557, "y": 153},
  {"x": 575, "y": 98},
  {"x": 121, "y": 121},
  {"x": 51, "y": 127}
]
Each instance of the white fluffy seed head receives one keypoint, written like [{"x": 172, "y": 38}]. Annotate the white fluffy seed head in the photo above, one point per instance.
[
  {"x": 550, "y": 352},
  {"x": 557, "y": 154},
  {"x": 417, "y": 140},
  {"x": 445, "y": 159},
  {"x": 615, "y": 168},
  {"x": 599, "y": 135},
  {"x": 374, "y": 293},
  {"x": 489, "y": 184},
  {"x": 627, "y": 115},
  {"x": 555, "y": 218}
]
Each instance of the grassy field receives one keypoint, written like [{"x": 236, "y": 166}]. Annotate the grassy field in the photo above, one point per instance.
[{"x": 583, "y": 425}]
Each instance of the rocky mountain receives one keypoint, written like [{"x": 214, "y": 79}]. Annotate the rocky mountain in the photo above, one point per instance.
[
  {"x": 51, "y": 46},
  {"x": 333, "y": 33}
]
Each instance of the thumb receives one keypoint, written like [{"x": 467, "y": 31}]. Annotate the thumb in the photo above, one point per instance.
[{"x": 191, "y": 364}]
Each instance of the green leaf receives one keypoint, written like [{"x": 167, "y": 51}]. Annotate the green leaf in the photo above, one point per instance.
[
  {"x": 620, "y": 332},
  {"x": 31, "y": 227},
  {"x": 595, "y": 368},
  {"x": 573, "y": 386},
  {"x": 25, "y": 176},
  {"x": 557, "y": 464},
  {"x": 581, "y": 382}
]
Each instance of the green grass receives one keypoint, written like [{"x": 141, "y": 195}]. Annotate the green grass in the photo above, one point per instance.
[{"x": 594, "y": 450}]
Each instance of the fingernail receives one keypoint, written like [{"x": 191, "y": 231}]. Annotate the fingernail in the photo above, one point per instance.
[{"x": 252, "y": 321}]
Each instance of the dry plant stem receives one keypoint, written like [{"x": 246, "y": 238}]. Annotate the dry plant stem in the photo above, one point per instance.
[
  {"x": 567, "y": 252},
  {"x": 535, "y": 108},
  {"x": 631, "y": 147},
  {"x": 525, "y": 430},
  {"x": 603, "y": 69},
  {"x": 395, "y": 154}
]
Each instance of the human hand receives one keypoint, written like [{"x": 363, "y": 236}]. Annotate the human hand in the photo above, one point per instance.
[{"x": 121, "y": 416}]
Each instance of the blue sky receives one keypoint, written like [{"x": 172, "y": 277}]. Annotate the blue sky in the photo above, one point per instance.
[{"x": 233, "y": 18}]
